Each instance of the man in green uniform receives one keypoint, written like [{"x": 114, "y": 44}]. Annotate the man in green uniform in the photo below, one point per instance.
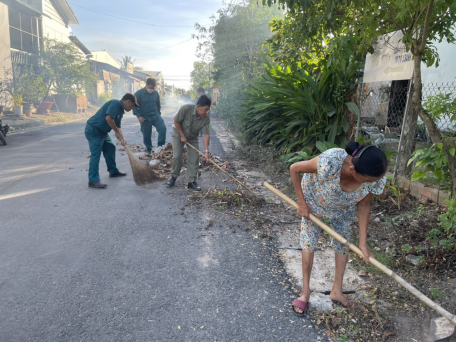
[
  {"x": 188, "y": 122},
  {"x": 149, "y": 114},
  {"x": 201, "y": 92},
  {"x": 108, "y": 117}
]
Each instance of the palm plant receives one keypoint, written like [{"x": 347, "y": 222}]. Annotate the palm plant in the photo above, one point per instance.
[
  {"x": 300, "y": 111},
  {"x": 125, "y": 61}
]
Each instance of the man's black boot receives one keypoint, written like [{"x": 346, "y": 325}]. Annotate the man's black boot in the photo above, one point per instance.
[
  {"x": 171, "y": 181},
  {"x": 97, "y": 185},
  {"x": 193, "y": 186},
  {"x": 118, "y": 174}
]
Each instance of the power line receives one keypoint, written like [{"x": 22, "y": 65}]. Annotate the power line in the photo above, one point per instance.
[
  {"x": 160, "y": 51},
  {"x": 133, "y": 21}
]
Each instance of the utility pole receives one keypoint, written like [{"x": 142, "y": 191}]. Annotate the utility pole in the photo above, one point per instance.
[{"x": 209, "y": 79}]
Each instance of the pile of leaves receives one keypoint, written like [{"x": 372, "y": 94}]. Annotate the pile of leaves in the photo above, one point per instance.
[
  {"x": 359, "y": 323},
  {"x": 412, "y": 231},
  {"x": 229, "y": 198}
]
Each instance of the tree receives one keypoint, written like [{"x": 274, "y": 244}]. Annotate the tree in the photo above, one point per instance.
[
  {"x": 234, "y": 44},
  {"x": 64, "y": 69},
  {"x": 420, "y": 21},
  {"x": 125, "y": 61},
  {"x": 200, "y": 77},
  {"x": 29, "y": 85},
  {"x": 6, "y": 87}
]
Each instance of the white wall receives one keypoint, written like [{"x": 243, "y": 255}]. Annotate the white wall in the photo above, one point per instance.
[
  {"x": 49, "y": 10},
  {"x": 54, "y": 30},
  {"x": 105, "y": 57},
  {"x": 54, "y": 26},
  {"x": 5, "y": 54},
  {"x": 444, "y": 75},
  {"x": 446, "y": 72}
]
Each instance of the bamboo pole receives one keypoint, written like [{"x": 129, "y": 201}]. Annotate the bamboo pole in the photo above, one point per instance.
[{"x": 375, "y": 262}]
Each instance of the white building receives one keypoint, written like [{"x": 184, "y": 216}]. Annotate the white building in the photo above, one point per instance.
[
  {"x": 25, "y": 23},
  {"x": 105, "y": 57},
  {"x": 57, "y": 16}
]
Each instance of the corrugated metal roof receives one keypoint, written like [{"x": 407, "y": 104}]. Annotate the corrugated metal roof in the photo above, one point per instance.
[
  {"x": 81, "y": 46},
  {"x": 66, "y": 8}
]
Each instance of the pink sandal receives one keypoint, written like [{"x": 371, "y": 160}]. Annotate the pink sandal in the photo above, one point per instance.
[{"x": 299, "y": 304}]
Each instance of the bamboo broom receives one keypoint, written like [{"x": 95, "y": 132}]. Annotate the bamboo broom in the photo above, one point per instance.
[
  {"x": 143, "y": 174},
  {"x": 450, "y": 317}
]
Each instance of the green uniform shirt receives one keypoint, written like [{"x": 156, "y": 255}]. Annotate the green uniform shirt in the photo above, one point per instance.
[
  {"x": 149, "y": 104},
  {"x": 191, "y": 123},
  {"x": 113, "y": 108}
]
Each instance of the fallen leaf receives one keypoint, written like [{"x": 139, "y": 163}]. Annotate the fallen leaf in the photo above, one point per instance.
[
  {"x": 388, "y": 334},
  {"x": 352, "y": 280},
  {"x": 362, "y": 273},
  {"x": 179, "y": 327}
]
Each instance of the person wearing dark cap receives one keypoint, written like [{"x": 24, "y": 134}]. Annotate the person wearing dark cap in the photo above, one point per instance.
[
  {"x": 149, "y": 114},
  {"x": 107, "y": 118}
]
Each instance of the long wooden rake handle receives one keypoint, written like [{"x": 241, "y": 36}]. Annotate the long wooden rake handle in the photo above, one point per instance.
[
  {"x": 224, "y": 171},
  {"x": 375, "y": 262}
]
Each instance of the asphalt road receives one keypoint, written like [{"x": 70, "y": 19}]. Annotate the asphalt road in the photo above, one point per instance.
[{"x": 126, "y": 263}]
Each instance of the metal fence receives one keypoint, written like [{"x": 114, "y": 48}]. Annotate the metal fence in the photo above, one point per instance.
[{"x": 384, "y": 105}]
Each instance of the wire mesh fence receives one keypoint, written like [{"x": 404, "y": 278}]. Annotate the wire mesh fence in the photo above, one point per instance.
[
  {"x": 444, "y": 123},
  {"x": 383, "y": 107}
]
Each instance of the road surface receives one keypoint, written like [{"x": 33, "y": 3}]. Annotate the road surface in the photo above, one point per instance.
[{"x": 126, "y": 263}]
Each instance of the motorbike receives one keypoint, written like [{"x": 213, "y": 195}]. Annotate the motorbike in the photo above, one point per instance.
[{"x": 4, "y": 129}]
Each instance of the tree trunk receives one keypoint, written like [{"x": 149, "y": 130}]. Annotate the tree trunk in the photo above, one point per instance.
[
  {"x": 433, "y": 131},
  {"x": 352, "y": 118},
  {"x": 408, "y": 137}
]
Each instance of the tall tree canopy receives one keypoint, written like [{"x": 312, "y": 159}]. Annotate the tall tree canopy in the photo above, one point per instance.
[{"x": 309, "y": 23}]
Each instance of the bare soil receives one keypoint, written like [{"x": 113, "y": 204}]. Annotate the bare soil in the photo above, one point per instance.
[{"x": 384, "y": 311}]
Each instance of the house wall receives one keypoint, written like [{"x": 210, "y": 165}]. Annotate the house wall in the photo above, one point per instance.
[
  {"x": 446, "y": 72},
  {"x": 105, "y": 57},
  {"x": 54, "y": 30},
  {"x": 5, "y": 55},
  {"x": 54, "y": 26},
  {"x": 49, "y": 10}
]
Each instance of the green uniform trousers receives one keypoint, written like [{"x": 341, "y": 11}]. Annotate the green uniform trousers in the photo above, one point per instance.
[
  {"x": 146, "y": 130},
  {"x": 100, "y": 142},
  {"x": 192, "y": 158}
]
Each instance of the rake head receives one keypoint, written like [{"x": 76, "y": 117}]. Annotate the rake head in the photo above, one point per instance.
[{"x": 441, "y": 328}]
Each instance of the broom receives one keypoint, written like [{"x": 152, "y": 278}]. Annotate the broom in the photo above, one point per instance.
[{"x": 143, "y": 174}]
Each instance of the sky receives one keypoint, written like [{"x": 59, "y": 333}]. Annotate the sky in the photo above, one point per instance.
[{"x": 126, "y": 28}]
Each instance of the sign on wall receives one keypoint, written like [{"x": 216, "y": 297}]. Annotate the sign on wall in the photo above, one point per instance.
[
  {"x": 130, "y": 68},
  {"x": 390, "y": 61}
]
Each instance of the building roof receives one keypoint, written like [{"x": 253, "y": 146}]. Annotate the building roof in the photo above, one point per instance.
[
  {"x": 81, "y": 46},
  {"x": 64, "y": 5},
  {"x": 100, "y": 66},
  {"x": 152, "y": 73},
  {"x": 24, "y": 5},
  {"x": 94, "y": 53}
]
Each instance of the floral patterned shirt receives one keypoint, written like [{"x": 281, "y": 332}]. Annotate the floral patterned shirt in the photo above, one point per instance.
[{"x": 323, "y": 188}]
